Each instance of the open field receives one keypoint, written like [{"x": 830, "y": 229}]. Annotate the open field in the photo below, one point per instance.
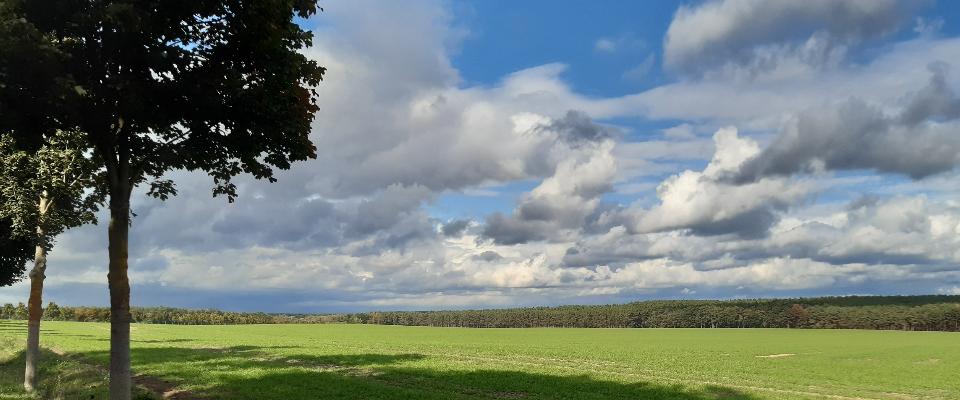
[{"x": 393, "y": 362}]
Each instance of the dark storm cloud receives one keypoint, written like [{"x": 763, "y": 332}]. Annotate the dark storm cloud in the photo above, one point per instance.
[
  {"x": 455, "y": 228},
  {"x": 935, "y": 101},
  {"x": 586, "y": 256},
  {"x": 751, "y": 224},
  {"x": 488, "y": 256},
  {"x": 506, "y": 230},
  {"x": 576, "y": 126},
  {"x": 921, "y": 141},
  {"x": 388, "y": 208}
]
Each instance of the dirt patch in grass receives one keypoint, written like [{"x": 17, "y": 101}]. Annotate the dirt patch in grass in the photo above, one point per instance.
[
  {"x": 162, "y": 388},
  {"x": 781, "y": 355}
]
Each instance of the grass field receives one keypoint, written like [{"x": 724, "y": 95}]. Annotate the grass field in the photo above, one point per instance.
[{"x": 393, "y": 362}]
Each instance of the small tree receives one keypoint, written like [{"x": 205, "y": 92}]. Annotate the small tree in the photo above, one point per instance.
[
  {"x": 211, "y": 85},
  {"x": 53, "y": 311},
  {"x": 47, "y": 191},
  {"x": 797, "y": 316}
]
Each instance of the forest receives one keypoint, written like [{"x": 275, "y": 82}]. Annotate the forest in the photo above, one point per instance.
[{"x": 910, "y": 313}]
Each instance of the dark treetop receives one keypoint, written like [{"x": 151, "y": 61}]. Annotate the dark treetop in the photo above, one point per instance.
[{"x": 218, "y": 86}]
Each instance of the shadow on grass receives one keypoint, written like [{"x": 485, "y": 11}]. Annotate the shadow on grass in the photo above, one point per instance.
[
  {"x": 10, "y": 327},
  {"x": 60, "y": 378},
  {"x": 7, "y": 325},
  {"x": 248, "y": 372}
]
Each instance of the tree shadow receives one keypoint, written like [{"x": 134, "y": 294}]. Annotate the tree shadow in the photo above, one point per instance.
[
  {"x": 12, "y": 326},
  {"x": 60, "y": 378},
  {"x": 160, "y": 341},
  {"x": 20, "y": 327},
  {"x": 249, "y": 372}
]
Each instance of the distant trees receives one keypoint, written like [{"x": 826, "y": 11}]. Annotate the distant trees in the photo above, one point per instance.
[
  {"x": 940, "y": 313},
  {"x": 150, "y": 315},
  {"x": 211, "y": 85},
  {"x": 929, "y": 313}
]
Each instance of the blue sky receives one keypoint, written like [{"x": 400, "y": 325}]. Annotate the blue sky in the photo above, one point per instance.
[{"x": 496, "y": 154}]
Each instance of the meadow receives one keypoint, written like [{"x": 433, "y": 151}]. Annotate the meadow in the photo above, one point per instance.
[{"x": 335, "y": 361}]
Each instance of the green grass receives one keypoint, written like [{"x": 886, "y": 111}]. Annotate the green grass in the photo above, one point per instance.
[
  {"x": 61, "y": 377},
  {"x": 393, "y": 362}
]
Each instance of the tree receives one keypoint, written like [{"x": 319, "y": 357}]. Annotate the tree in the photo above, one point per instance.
[
  {"x": 46, "y": 192},
  {"x": 797, "y": 316},
  {"x": 212, "y": 85}
]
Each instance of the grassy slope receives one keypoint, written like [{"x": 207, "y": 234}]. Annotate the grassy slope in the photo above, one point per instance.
[{"x": 361, "y": 361}]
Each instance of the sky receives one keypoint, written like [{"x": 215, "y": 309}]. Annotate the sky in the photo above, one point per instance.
[{"x": 478, "y": 154}]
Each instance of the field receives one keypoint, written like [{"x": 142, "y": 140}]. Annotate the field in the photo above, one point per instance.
[{"x": 394, "y": 362}]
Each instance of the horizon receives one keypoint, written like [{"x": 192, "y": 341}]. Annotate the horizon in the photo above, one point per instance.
[
  {"x": 516, "y": 307},
  {"x": 667, "y": 151}
]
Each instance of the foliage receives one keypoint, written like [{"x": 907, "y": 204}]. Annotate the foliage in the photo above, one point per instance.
[
  {"x": 928, "y": 313},
  {"x": 36, "y": 94},
  {"x": 15, "y": 252},
  {"x": 919, "y": 313},
  {"x": 340, "y": 361},
  {"x": 62, "y": 171},
  {"x": 217, "y": 86}
]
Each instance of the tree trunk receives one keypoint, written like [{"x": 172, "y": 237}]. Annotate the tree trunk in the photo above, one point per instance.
[
  {"x": 120, "y": 378},
  {"x": 35, "y": 304}
]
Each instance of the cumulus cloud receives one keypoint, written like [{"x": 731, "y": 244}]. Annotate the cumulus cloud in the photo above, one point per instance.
[
  {"x": 899, "y": 230},
  {"x": 562, "y": 203},
  {"x": 756, "y": 33},
  {"x": 913, "y": 232},
  {"x": 919, "y": 141},
  {"x": 703, "y": 203}
]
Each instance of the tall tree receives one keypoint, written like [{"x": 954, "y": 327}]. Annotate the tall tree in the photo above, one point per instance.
[
  {"x": 213, "y": 85},
  {"x": 45, "y": 192}
]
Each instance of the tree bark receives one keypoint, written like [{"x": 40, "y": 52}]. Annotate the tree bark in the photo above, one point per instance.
[
  {"x": 35, "y": 304},
  {"x": 120, "y": 377}
]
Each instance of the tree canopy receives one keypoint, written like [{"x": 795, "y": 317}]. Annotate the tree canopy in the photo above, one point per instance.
[
  {"x": 217, "y": 86},
  {"x": 63, "y": 172},
  {"x": 14, "y": 254}
]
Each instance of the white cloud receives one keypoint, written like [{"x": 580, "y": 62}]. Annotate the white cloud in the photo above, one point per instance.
[
  {"x": 702, "y": 202},
  {"x": 756, "y": 34}
]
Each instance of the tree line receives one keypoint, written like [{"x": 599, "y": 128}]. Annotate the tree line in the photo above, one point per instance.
[
  {"x": 918, "y": 313},
  {"x": 146, "y": 315},
  {"x": 913, "y": 313}
]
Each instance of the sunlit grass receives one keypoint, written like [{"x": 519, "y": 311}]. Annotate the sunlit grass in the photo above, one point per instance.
[{"x": 363, "y": 361}]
